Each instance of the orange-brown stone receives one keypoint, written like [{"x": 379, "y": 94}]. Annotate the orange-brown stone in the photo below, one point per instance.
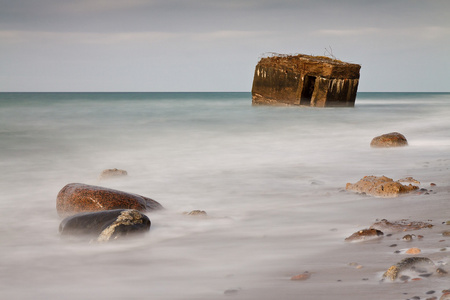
[
  {"x": 380, "y": 187},
  {"x": 413, "y": 251},
  {"x": 77, "y": 197},
  {"x": 393, "y": 139}
]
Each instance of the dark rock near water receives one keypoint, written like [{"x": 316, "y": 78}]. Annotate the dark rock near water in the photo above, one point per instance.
[
  {"x": 105, "y": 225},
  {"x": 393, "y": 139},
  {"x": 409, "y": 264},
  {"x": 78, "y": 197},
  {"x": 399, "y": 226},
  {"x": 364, "y": 235}
]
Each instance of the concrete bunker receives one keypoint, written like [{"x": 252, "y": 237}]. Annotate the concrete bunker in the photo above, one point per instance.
[{"x": 306, "y": 80}]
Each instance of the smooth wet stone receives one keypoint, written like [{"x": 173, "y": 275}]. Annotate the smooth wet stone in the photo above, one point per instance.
[
  {"x": 393, "y": 139},
  {"x": 78, "y": 197},
  {"x": 112, "y": 173},
  {"x": 380, "y": 186},
  {"x": 364, "y": 235},
  {"x": 105, "y": 225},
  {"x": 399, "y": 226}
]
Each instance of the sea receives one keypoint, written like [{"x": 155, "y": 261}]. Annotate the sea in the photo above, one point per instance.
[{"x": 270, "y": 178}]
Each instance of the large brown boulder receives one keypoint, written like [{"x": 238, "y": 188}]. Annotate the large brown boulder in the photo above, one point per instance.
[
  {"x": 393, "y": 139},
  {"x": 380, "y": 187},
  {"x": 78, "y": 197},
  {"x": 106, "y": 225}
]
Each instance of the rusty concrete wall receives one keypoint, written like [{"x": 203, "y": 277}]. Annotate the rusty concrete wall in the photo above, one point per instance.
[{"x": 305, "y": 80}]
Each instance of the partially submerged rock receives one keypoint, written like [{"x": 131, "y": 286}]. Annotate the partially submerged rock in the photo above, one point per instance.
[
  {"x": 77, "y": 197},
  {"x": 399, "y": 226},
  {"x": 393, "y": 139},
  {"x": 415, "y": 264},
  {"x": 304, "y": 276},
  {"x": 409, "y": 180},
  {"x": 196, "y": 213},
  {"x": 112, "y": 173},
  {"x": 364, "y": 235},
  {"x": 105, "y": 225},
  {"x": 380, "y": 186}
]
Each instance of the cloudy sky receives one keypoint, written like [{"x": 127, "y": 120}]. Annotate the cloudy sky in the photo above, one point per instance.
[{"x": 214, "y": 45}]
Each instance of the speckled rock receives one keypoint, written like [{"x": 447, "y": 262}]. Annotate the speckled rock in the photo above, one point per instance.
[
  {"x": 78, "y": 197},
  {"x": 364, "y": 235},
  {"x": 399, "y": 226},
  {"x": 196, "y": 212},
  {"x": 393, "y": 139},
  {"x": 106, "y": 225},
  {"x": 112, "y": 173},
  {"x": 380, "y": 186},
  {"x": 422, "y": 264}
]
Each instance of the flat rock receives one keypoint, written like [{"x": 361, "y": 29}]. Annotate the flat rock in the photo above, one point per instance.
[
  {"x": 364, "y": 235},
  {"x": 380, "y": 186},
  {"x": 78, "y": 197},
  {"x": 112, "y": 173},
  {"x": 106, "y": 225},
  {"x": 393, "y": 139},
  {"x": 399, "y": 226}
]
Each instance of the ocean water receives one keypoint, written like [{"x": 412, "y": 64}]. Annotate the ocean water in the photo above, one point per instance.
[{"x": 271, "y": 180}]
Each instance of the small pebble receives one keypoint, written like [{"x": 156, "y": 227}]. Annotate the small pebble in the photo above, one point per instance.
[
  {"x": 393, "y": 245},
  {"x": 303, "y": 276},
  {"x": 416, "y": 279},
  {"x": 413, "y": 251},
  {"x": 426, "y": 275},
  {"x": 432, "y": 184},
  {"x": 420, "y": 237},
  {"x": 230, "y": 292},
  {"x": 407, "y": 237},
  {"x": 389, "y": 234},
  {"x": 397, "y": 251},
  {"x": 440, "y": 241},
  {"x": 441, "y": 271},
  {"x": 446, "y": 233},
  {"x": 430, "y": 292},
  {"x": 365, "y": 279},
  {"x": 404, "y": 278},
  {"x": 443, "y": 249},
  {"x": 415, "y": 298}
]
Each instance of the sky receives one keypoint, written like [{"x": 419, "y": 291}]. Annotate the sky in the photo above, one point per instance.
[{"x": 214, "y": 45}]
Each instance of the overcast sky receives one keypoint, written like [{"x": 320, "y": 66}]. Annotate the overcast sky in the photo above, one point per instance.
[{"x": 214, "y": 45}]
